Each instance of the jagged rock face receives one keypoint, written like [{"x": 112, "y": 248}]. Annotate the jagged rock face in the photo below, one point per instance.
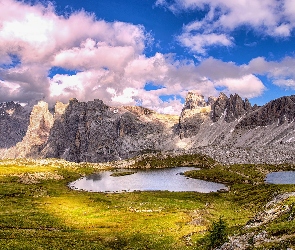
[
  {"x": 59, "y": 109},
  {"x": 236, "y": 107},
  {"x": 190, "y": 123},
  {"x": 95, "y": 132},
  {"x": 231, "y": 108},
  {"x": 14, "y": 121},
  {"x": 195, "y": 111},
  {"x": 219, "y": 107},
  {"x": 211, "y": 100},
  {"x": 194, "y": 100},
  {"x": 277, "y": 111},
  {"x": 41, "y": 121}
]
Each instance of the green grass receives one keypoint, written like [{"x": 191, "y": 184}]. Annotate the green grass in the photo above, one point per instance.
[
  {"x": 159, "y": 161},
  {"x": 49, "y": 215},
  {"x": 118, "y": 174}
]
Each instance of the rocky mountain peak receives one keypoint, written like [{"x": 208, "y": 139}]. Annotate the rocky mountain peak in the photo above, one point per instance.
[
  {"x": 230, "y": 108},
  {"x": 14, "y": 121},
  {"x": 194, "y": 100},
  {"x": 195, "y": 111},
  {"x": 37, "y": 133},
  {"x": 41, "y": 122},
  {"x": 222, "y": 96},
  {"x": 93, "y": 131},
  {"x": 219, "y": 107},
  {"x": 236, "y": 107},
  {"x": 60, "y": 108},
  {"x": 211, "y": 100},
  {"x": 279, "y": 111}
]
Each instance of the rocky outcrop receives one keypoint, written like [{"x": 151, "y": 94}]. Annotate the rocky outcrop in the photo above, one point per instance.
[
  {"x": 14, "y": 122},
  {"x": 236, "y": 107},
  {"x": 219, "y": 107},
  {"x": 254, "y": 239},
  {"x": 226, "y": 128},
  {"x": 197, "y": 111},
  {"x": 278, "y": 111},
  {"x": 194, "y": 113},
  {"x": 95, "y": 132},
  {"x": 230, "y": 108},
  {"x": 194, "y": 101},
  {"x": 41, "y": 121}
]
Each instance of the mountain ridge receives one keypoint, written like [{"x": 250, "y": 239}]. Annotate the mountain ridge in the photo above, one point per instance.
[{"x": 95, "y": 132}]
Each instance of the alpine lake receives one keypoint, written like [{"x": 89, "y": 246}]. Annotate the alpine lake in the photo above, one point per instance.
[
  {"x": 282, "y": 177},
  {"x": 164, "y": 179}
]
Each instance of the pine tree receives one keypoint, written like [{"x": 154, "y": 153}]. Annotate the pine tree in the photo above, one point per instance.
[{"x": 218, "y": 233}]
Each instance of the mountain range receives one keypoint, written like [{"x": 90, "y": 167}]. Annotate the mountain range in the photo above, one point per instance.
[{"x": 229, "y": 129}]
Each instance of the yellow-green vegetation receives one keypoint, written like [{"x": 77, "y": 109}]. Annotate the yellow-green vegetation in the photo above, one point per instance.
[
  {"x": 158, "y": 160},
  {"x": 46, "y": 214},
  {"x": 238, "y": 173},
  {"x": 117, "y": 174}
]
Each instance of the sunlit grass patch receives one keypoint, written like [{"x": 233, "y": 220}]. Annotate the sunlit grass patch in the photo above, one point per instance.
[
  {"x": 14, "y": 169},
  {"x": 77, "y": 212}
]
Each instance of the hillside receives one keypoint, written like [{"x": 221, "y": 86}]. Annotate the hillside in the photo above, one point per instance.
[{"x": 228, "y": 129}]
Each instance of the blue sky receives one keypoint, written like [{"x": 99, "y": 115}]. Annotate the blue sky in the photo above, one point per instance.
[{"x": 148, "y": 52}]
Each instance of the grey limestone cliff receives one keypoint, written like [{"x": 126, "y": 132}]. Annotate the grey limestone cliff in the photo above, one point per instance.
[
  {"x": 92, "y": 131},
  {"x": 14, "y": 122},
  {"x": 194, "y": 113},
  {"x": 226, "y": 128},
  {"x": 41, "y": 121},
  {"x": 231, "y": 108},
  {"x": 280, "y": 111}
]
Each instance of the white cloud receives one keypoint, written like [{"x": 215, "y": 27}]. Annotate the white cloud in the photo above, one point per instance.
[
  {"x": 248, "y": 86},
  {"x": 283, "y": 30},
  {"x": 126, "y": 97},
  {"x": 216, "y": 69},
  {"x": 270, "y": 17},
  {"x": 286, "y": 83},
  {"x": 281, "y": 73},
  {"x": 91, "y": 54},
  {"x": 199, "y": 42},
  {"x": 230, "y": 14},
  {"x": 110, "y": 62},
  {"x": 40, "y": 39}
]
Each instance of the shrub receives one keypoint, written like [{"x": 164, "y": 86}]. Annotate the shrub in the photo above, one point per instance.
[{"x": 218, "y": 233}]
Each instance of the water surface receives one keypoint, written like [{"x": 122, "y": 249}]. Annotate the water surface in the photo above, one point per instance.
[
  {"x": 170, "y": 179},
  {"x": 282, "y": 177}
]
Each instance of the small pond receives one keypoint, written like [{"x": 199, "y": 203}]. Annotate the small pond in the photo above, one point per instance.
[
  {"x": 170, "y": 179},
  {"x": 283, "y": 177}
]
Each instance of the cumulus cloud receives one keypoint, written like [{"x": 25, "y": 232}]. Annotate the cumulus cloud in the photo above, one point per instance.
[
  {"x": 281, "y": 73},
  {"x": 92, "y": 54},
  {"x": 40, "y": 39},
  {"x": 106, "y": 61},
  {"x": 237, "y": 77},
  {"x": 286, "y": 83},
  {"x": 270, "y": 17},
  {"x": 248, "y": 86},
  {"x": 199, "y": 42}
]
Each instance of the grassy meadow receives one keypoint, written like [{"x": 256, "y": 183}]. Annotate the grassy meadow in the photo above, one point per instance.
[{"x": 39, "y": 211}]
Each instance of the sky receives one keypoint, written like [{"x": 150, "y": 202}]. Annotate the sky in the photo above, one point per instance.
[{"x": 146, "y": 52}]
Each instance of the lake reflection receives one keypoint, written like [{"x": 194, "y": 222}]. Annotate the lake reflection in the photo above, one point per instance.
[
  {"x": 170, "y": 179},
  {"x": 283, "y": 177}
]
